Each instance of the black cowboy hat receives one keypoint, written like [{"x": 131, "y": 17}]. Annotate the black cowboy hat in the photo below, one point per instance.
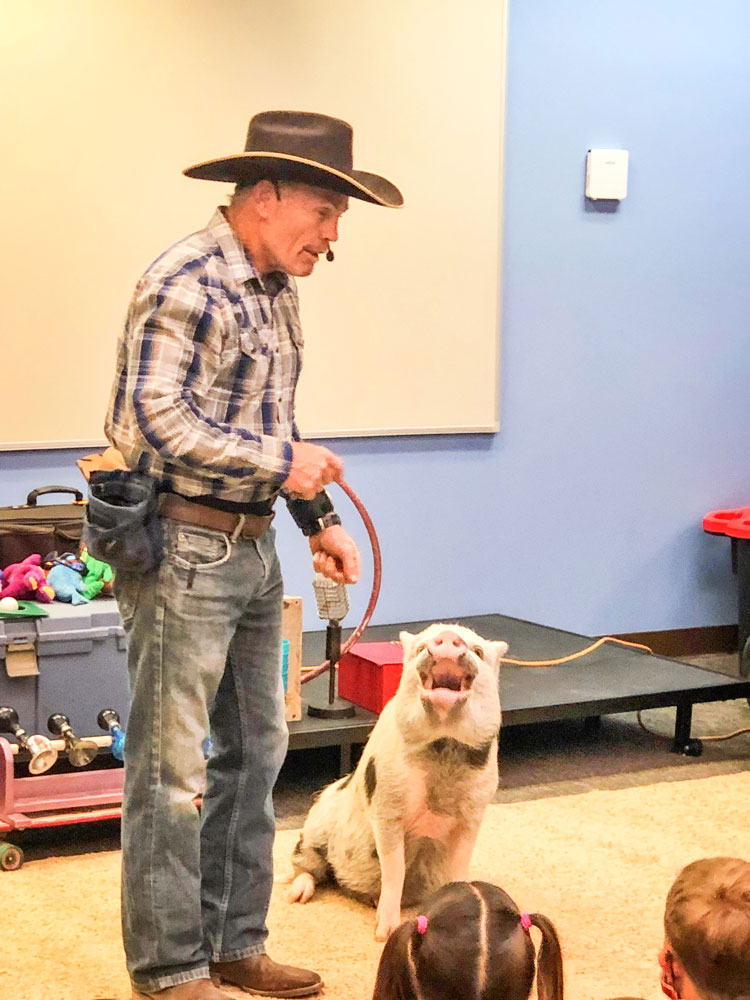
[{"x": 300, "y": 146}]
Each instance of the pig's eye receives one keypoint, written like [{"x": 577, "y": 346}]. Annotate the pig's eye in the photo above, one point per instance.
[
  {"x": 420, "y": 648},
  {"x": 478, "y": 651}
]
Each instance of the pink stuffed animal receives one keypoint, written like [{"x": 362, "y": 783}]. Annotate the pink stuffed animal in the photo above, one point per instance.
[{"x": 26, "y": 581}]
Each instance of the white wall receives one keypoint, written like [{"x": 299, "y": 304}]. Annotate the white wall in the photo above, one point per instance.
[
  {"x": 626, "y": 353},
  {"x": 111, "y": 101}
]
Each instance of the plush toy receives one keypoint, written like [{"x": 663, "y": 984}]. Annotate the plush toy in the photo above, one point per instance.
[
  {"x": 66, "y": 559},
  {"x": 27, "y": 581},
  {"x": 98, "y": 576},
  {"x": 71, "y": 560},
  {"x": 67, "y": 584}
]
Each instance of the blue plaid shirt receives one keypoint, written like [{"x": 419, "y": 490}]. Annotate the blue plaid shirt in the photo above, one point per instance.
[{"x": 207, "y": 367}]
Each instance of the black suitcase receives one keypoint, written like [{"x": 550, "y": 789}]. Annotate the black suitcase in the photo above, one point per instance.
[{"x": 41, "y": 528}]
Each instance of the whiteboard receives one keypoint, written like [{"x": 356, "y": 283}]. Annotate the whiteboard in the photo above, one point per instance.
[{"x": 106, "y": 103}]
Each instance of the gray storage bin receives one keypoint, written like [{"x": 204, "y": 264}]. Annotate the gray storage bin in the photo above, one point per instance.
[{"x": 81, "y": 658}]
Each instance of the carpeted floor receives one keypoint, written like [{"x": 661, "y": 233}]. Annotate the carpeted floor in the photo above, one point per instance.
[
  {"x": 599, "y": 864},
  {"x": 589, "y": 827}
]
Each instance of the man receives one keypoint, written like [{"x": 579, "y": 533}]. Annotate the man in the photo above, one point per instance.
[
  {"x": 203, "y": 402},
  {"x": 706, "y": 953}
]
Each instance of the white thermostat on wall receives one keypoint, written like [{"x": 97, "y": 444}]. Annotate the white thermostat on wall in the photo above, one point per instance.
[{"x": 607, "y": 174}]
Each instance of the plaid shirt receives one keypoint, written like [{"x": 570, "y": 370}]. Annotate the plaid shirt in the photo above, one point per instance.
[{"x": 207, "y": 367}]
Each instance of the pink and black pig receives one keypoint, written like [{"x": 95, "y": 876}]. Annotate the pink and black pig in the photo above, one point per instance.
[{"x": 406, "y": 820}]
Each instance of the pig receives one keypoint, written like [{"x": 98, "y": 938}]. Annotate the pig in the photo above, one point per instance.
[{"x": 406, "y": 820}]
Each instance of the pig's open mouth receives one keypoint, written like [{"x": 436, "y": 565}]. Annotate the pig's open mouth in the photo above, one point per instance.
[{"x": 445, "y": 682}]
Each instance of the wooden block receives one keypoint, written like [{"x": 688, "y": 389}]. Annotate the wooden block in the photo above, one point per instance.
[{"x": 291, "y": 629}]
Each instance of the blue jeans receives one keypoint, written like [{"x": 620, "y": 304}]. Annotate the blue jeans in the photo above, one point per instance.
[{"x": 204, "y": 635}]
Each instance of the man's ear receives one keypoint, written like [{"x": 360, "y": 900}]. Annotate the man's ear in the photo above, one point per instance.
[{"x": 264, "y": 198}]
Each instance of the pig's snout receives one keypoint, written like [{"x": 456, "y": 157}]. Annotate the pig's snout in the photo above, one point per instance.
[
  {"x": 447, "y": 671},
  {"x": 446, "y": 645}
]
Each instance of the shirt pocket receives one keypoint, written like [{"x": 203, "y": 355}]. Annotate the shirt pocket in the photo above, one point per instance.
[{"x": 256, "y": 355}]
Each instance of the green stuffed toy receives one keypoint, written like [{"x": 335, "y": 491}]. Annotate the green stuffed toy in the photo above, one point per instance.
[{"x": 98, "y": 576}]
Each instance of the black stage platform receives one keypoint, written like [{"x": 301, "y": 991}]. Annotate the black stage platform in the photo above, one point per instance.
[{"x": 611, "y": 679}]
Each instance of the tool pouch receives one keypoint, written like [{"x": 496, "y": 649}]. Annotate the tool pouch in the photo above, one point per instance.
[{"x": 122, "y": 525}]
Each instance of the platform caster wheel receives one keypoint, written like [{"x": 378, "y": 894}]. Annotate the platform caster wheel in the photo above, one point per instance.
[
  {"x": 11, "y": 857},
  {"x": 693, "y": 748}
]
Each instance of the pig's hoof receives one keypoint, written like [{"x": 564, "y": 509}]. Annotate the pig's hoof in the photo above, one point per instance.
[{"x": 302, "y": 888}]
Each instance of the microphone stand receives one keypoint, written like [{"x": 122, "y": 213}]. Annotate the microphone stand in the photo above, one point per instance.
[{"x": 336, "y": 707}]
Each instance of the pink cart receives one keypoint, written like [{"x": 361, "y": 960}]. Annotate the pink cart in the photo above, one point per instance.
[{"x": 40, "y": 800}]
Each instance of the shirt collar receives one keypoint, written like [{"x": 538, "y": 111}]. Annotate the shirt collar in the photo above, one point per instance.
[{"x": 239, "y": 261}]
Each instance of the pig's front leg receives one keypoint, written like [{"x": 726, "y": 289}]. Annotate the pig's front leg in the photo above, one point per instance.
[
  {"x": 392, "y": 872},
  {"x": 460, "y": 849}
]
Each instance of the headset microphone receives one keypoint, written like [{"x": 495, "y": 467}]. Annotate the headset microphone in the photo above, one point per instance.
[{"x": 329, "y": 255}]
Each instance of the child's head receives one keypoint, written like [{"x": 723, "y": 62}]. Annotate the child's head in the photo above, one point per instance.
[
  {"x": 469, "y": 943},
  {"x": 707, "y": 931}
]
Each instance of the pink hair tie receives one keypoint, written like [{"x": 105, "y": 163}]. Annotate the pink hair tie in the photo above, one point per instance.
[
  {"x": 422, "y": 923},
  {"x": 526, "y": 922}
]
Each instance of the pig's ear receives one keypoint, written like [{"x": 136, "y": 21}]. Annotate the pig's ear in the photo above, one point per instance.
[
  {"x": 406, "y": 639},
  {"x": 499, "y": 649}
]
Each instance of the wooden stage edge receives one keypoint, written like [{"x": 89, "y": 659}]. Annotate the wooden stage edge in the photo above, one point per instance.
[{"x": 612, "y": 679}]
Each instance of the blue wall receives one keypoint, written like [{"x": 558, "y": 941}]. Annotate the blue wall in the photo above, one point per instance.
[{"x": 625, "y": 378}]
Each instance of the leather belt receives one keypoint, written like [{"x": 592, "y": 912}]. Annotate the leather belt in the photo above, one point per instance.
[{"x": 235, "y": 525}]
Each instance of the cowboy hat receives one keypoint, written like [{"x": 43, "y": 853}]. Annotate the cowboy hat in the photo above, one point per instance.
[{"x": 300, "y": 146}]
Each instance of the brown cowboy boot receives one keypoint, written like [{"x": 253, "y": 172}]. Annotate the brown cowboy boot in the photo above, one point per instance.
[
  {"x": 261, "y": 976},
  {"x": 196, "y": 989}
]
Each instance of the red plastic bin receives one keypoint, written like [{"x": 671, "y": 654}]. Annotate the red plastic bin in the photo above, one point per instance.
[
  {"x": 734, "y": 523},
  {"x": 370, "y": 673}
]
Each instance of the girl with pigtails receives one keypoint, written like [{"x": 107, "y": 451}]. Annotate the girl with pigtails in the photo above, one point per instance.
[{"x": 471, "y": 942}]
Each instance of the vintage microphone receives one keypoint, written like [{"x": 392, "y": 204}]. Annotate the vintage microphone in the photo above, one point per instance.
[
  {"x": 377, "y": 573},
  {"x": 108, "y": 719},
  {"x": 80, "y": 752},
  {"x": 41, "y": 752},
  {"x": 333, "y": 605}
]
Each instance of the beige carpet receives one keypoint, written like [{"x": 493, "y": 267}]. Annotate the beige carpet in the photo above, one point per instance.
[{"x": 599, "y": 864}]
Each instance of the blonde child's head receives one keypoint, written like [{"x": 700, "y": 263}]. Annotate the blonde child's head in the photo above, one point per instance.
[{"x": 707, "y": 931}]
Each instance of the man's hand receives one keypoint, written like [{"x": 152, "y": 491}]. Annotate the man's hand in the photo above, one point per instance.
[
  {"x": 335, "y": 554},
  {"x": 313, "y": 467}
]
